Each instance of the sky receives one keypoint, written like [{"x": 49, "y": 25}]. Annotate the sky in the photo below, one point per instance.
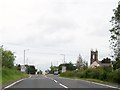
[{"x": 48, "y": 28}]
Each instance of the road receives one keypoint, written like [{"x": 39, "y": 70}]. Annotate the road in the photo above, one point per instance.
[{"x": 54, "y": 81}]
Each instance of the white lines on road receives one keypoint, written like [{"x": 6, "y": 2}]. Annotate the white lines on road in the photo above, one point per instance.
[
  {"x": 55, "y": 81},
  {"x": 93, "y": 83},
  {"x": 105, "y": 85},
  {"x": 59, "y": 83},
  {"x": 63, "y": 85},
  {"x": 14, "y": 83}
]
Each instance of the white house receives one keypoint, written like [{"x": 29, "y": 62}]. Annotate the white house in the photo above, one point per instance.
[{"x": 23, "y": 68}]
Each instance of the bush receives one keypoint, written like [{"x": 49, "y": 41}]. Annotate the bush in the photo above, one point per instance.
[
  {"x": 114, "y": 76},
  {"x": 104, "y": 76},
  {"x": 80, "y": 74}
]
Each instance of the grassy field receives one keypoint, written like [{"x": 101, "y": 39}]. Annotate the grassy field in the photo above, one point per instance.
[{"x": 9, "y": 75}]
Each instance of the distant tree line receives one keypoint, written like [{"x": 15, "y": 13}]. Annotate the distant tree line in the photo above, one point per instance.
[{"x": 69, "y": 66}]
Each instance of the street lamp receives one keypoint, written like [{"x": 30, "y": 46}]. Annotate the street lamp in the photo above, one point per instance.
[
  {"x": 25, "y": 55},
  {"x": 63, "y": 58}
]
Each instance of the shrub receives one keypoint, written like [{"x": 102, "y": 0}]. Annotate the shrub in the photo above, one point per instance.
[{"x": 114, "y": 76}]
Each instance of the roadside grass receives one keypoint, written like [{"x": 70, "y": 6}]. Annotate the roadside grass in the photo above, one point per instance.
[
  {"x": 0, "y": 76},
  {"x": 9, "y": 75},
  {"x": 93, "y": 80}
]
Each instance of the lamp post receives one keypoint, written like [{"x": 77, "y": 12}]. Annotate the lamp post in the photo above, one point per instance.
[
  {"x": 63, "y": 67},
  {"x": 25, "y": 55},
  {"x": 63, "y": 58}
]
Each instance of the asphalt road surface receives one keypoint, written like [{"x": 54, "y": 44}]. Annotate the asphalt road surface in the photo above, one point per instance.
[{"x": 54, "y": 81}]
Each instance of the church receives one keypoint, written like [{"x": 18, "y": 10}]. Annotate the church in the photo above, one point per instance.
[{"x": 94, "y": 62}]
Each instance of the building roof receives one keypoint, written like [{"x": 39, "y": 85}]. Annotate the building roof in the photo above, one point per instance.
[{"x": 96, "y": 64}]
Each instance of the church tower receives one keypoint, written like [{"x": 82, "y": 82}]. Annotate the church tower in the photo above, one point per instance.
[{"x": 94, "y": 56}]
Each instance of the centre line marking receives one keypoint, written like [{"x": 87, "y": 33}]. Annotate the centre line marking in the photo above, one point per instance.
[
  {"x": 63, "y": 85},
  {"x": 55, "y": 81}
]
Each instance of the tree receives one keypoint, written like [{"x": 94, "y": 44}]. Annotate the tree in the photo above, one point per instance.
[
  {"x": 115, "y": 36},
  {"x": 7, "y": 59},
  {"x": 81, "y": 64},
  {"x": 69, "y": 66},
  {"x": 116, "y": 65},
  {"x": 115, "y": 33},
  {"x": 18, "y": 67},
  {"x": 52, "y": 69},
  {"x": 39, "y": 72},
  {"x": 31, "y": 70},
  {"x": 106, "y": 60}
]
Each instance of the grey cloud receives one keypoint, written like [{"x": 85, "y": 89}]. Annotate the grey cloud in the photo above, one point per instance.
[{"x": 55, "y": 26}]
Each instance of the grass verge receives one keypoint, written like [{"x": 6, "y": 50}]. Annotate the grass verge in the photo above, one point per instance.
[
  {"x": 9, "y": 75},
  {"x": 0, "y": 77}
]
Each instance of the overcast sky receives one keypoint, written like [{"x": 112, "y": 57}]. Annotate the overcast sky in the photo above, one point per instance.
[{"x": 49, "y": 28}]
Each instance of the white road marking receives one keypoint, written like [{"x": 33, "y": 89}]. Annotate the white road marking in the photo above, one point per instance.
[
  {"x": 59, "y": 83},
  {"x": 105, "y": 85},
  {"x": 63, "y": 85},
  {"x": 14, "y": 83},
  {"x": 55, "y": 81},
  {"x": 93, "y": 83}
]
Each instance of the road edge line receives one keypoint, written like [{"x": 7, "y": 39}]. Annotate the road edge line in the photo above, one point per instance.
[
  {"x": 14, "y": 83},
  {"x": 93, "y": 82}
]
